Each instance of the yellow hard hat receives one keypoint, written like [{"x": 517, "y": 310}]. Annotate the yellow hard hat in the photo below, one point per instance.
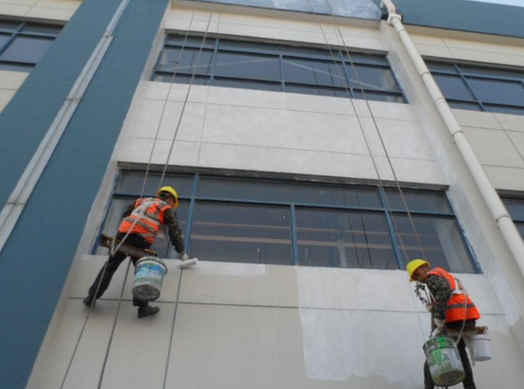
[
  {"x": 414, "y": 265},
  {"x": 172, "y": 192}
]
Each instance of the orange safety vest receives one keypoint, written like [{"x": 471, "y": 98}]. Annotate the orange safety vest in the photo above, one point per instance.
[
  {"x": 459, "y": 306},
  {"x": 146, "y": 218}
]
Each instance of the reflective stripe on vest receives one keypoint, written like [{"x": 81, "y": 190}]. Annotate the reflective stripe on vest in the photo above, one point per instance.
[
  {"x": 146, "y": 218},
  {"x": 459, "y": 306}
]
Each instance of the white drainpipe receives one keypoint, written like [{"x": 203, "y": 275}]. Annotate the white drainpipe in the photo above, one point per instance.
[{"x": 490, "y": 195}]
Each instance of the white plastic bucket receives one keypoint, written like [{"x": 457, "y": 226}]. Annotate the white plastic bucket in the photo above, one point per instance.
[
  {"x": 149, "y": 276},
  {"x": 480, "y": 346},
  {"x": 444, "y": 361}
]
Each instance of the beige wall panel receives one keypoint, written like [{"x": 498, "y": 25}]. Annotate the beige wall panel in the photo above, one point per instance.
[
  {"x": 273, "y": 28},
  {"x": 230, "y": 128},
  {"x": 61, "y": 10},
  {"x": 89, "y": 266}
]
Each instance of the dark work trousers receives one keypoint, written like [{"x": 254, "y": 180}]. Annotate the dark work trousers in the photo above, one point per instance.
[
  {"x": 468, "y": 381},
  {"x": 113, "y": 262}
]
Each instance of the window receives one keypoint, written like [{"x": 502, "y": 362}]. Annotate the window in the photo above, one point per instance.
[
  {"x": 22, "y": 44},
  {"x": 515, "y": 207},
  {"x": 480, "y": 88},
  {"x": 275, "y": 67},
  {"x": 285, "y": 222}
]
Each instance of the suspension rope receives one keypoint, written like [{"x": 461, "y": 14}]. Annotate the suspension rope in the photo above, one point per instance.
[
  {"x": 114, "y": 249},
  {"x": 369, "y": 146}
]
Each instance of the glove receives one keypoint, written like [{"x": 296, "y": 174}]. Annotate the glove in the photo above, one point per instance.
[
  {"x": 440, "y": 329},
  {"x": 429, "y": 307},
  {"x": 184, "y": 257}
]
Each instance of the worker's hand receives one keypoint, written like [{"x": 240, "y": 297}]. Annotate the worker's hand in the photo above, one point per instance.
[
  {"x": 440, "y": 329},
  {"x": 429, "y": 307},
  {"x": 184, "y": 257}
]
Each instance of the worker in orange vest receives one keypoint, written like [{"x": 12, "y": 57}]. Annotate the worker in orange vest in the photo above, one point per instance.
[
  {"x": 452, "y": 311},
  {"x": 141, "y": 223}
]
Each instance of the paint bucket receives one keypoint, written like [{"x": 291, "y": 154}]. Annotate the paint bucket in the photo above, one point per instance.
[
  {"x": 444, "y": 361},
  {"x": 149, "y": 276},
  {"x": 480, "y": 347}
]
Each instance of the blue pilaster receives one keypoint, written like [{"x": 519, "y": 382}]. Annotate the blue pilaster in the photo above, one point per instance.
[{"x": 36, "y": 259}]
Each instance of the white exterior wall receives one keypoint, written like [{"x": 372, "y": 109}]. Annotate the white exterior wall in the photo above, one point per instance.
[{"x": 258, "y": 326}]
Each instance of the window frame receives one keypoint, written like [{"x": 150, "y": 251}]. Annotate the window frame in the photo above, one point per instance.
[
  {"x": 189, "y": 187},
  {"x": 277, "y": 50},
  {"x": 25, "y": 30},
  {"x": 467, "y": 73}
]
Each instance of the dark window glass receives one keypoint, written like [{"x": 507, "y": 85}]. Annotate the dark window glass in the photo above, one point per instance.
[
  {"x": 372, "y": 78},
  {"x": 288, "y": 222},
  {"x": 497, "y": 92},
  {"x": 437, "y": 239},
  {"x": 249, "y": 66},
  {"x": 26, "y": 49},
  {"x": 185, "y": 61},
  {"x": 247, "y": 84},
  {"x": 297, "y": 193},
  {"x": 480, "y": 88},
  {"x": 23, "y": 44},
  {"x": 515, "y": 207},
  {"x": 276, "y": 67},
  {"x": 314, "y": 72},
  {"x": 317, "y": 90},
  {"x": 241, "y": 233},
  {"x": 417, "y": 201},
  {"x": 464, "y": 105},
  {"x": 344, "y": 239},
  {"x": 498, "y": 108},
  {"x": 453, "y": 87}
]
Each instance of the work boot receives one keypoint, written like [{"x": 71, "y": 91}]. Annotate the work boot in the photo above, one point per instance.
[
  {"x": 147, "y": 310},
  {"x": 89, "y": 301}
]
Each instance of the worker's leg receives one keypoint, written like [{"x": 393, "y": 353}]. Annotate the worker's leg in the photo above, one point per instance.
[
  {"x": 428, "y": 381},
  {"x": 103, "y": 279},
  {"x": 468, "y": 381}
]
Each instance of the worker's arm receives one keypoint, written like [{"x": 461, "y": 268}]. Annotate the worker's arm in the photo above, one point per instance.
[
  {"x": 175, "y": 235},
  {"x": 441, "y": 291}
]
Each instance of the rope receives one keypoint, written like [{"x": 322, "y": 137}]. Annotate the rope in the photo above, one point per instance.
[{"x": 114, "y": 249}]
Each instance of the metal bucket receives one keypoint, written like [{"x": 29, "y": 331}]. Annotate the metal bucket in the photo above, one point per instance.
[
  {"x": 149, "y": 276},
  {"x": 444, "y": 361}
]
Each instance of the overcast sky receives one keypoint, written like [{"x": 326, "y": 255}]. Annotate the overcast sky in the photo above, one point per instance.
[{"x": 519, "y": 3}]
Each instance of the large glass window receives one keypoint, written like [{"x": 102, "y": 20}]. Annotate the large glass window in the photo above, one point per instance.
[
  {"x": 22, "y": 44},
  {"x": 276, "y": 67},
  {"x": 480, "y": 88},
  {"x": 288, "y": 222},
  {"x": 515, "y": 207}
]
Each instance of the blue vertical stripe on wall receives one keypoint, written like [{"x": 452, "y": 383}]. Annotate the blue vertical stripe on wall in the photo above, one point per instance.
[
  {"x": 37, "y": 257},
  {"x": 462, "y": 15}
]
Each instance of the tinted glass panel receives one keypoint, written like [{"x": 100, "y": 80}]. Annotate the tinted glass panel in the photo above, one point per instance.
[
  {"x": 247, "y": 84},
  {"x": 314, "y": 72},
  {"x": 515, "y": 208},
  {"x": 437, "y": 239},
  {"x": 241, "y": 233},
  {"x": 344, "y": 239},
  {"x": 453, "y": 87},
  {"x": 25, "y": 49},
  {"x": 499, "y": 92},
  {"x": 301, "y": 193},
  {"x": 185, "y": 61},
  {"x": 251, "y": 66},
  {"x": 418, "y": 201},
  {"x": 277, "y": 67},
  {"x": 375, "y": 78}
]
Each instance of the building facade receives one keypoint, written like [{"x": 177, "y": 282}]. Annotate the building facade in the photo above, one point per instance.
[{"x": 316, "y": 146}]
